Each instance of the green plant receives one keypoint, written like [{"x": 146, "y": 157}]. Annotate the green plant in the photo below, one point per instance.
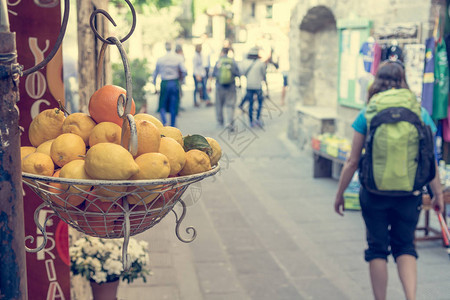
[
  {"x": 99, "y": 259},
  {"x": 140, "y": 76}
]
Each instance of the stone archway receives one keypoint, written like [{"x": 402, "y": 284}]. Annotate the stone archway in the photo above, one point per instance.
[{"x": 318, "y": 62}]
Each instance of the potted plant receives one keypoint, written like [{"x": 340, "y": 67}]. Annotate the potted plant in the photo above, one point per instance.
[{"x": 100, "y": 261}]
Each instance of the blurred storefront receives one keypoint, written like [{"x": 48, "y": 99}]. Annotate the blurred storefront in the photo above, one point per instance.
[{"x": 331, "y": 57}]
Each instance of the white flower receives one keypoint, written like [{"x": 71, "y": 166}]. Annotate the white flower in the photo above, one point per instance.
[
  {"x": 101, "y": 259},
  {"x": 99, "y": 277},
  {"x": 113, "y": 267},
  {"x": 79, "y": 261},
  {"x": 96, "y": 264}
]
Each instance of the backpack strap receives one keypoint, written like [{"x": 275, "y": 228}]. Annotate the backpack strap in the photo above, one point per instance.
[{"x": 394, "y": 115}]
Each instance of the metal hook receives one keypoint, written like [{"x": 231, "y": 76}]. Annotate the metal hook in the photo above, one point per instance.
[
  {"x": 133, "y": 142},
  {"x": 101, "y": 56},
  {"x": 59, "y": 40},
  {"x": 126, "y": 258},
  {"x": 41, "y": 229},
  {"x": 106, "y": 14},
  {"x": 189, "y": 230},
  {"x": 126, "y": 67}
]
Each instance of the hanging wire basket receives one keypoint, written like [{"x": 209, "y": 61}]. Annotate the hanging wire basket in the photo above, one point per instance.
[
  {"x": 112, "y": 208},
  {"x": 108, "y": 206}
]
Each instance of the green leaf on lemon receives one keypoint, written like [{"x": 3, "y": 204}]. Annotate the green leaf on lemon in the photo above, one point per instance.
[{"x": 198, "y": 142}]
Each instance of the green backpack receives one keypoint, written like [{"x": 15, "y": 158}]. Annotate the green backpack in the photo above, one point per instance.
[
  {"x": 399, "y": 150},
  {"x": 225, "y": 75}
]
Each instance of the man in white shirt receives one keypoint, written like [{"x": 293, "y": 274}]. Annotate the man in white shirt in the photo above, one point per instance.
[
  {"x": 200, "y": 77},
  {"x": 171, "y": 68}
]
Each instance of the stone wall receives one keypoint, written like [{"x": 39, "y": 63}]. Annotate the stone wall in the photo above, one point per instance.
[{"x": 314, "y": 50}]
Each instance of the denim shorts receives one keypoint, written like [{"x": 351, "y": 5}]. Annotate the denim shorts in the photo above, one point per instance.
[{"x": 391, "y": 223}]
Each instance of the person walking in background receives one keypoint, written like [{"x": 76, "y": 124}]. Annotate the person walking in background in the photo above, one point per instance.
[
  {"x": 182, "y": 79},
  {"x": 207, "y": 53},
  {"x": 285, "y": 87},
  {"x": 255, "y": 72},
  {"x": 171, "y": 68},
  {"x": 225, "y": 72},
  {"x": 390, "y": 220},
  {"x": 283, "y": 61},
  {"x": 200, "y": 79}
]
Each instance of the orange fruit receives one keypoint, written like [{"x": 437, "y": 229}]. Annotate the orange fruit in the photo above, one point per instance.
[
  {"x": 148, "y": 135},
  {"x": 57, "y": 189},
  {"x": 103, "y": 104},
  {"x": 61, "y": 197},
  {"x": 105, "y": 132},
  {"x": 25, "y": 150},
  {"x": 79, "y": 123},
  {"x": 99, "y": 216},
  {"x": 67, "y": 147},
  {"x": 45, "y": 126}
]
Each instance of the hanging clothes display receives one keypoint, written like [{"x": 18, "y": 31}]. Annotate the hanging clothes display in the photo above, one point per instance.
[
  {"x": 391, "y": 52},
  {"x": 365, "y": 78},
  {"x": 438, "y": 137},
  {"x": 367, "y": 53},
  {"x": 446, "y": 121},
  {"x": 414, "y": 57},
  {"x": 441, "y": 77},
  {"x": 376, "y": 58},
  {"x": 428, "y": 76},
  {"x": 446, "y": 127}
]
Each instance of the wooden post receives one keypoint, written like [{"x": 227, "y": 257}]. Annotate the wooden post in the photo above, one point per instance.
[{"x": 13, "y": 282}]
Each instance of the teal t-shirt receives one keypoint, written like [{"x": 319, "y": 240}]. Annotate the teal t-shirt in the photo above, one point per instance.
[{"x": 360, "y": 123}]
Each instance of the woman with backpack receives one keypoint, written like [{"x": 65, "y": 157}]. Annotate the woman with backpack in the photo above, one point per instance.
[{"x": 390, "y": 219}]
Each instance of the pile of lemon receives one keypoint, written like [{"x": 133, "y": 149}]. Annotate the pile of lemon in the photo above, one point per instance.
[{"x": 89, "y": 146}]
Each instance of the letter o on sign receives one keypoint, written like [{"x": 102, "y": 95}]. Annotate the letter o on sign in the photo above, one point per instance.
[{"x": 35, "y": 85}]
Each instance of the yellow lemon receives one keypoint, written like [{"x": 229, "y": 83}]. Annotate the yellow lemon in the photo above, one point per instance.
[
  {"x": 38, "y": 163},
  {"x": 152, "y": 166},
  {"x": 150, "y": 118},
  {"x": 45, "y": 126},
  {"x": 60, "y": 196},
  {"x": 110, "y": 161},
  {"x": 75, "y": 169},
  {"x": 25, "y": 150},
  {"x": 79, "y": 123},
  {"x": 174, "y": 133},
  {"x": 105, "y": 132},
  {"x": 216, "y": 151},
  {"x": 148, "y": 136},
  {"x": 196, "y": 162},
  {"x": 67, "y": 147},
  {"x": 45, "y": 147},
  {"x": 174, "y": 152}
]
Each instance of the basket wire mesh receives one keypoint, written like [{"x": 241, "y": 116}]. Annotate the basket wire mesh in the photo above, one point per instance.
[{"x": 111, "y": 209}]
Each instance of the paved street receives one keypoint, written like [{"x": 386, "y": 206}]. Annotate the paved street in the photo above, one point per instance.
[{"x": 266, "y": 229}]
